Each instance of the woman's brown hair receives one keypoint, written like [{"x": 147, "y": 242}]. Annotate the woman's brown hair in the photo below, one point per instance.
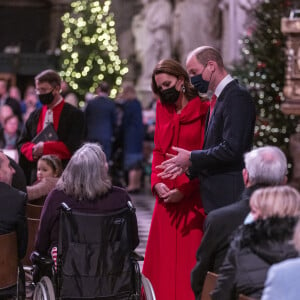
[{"x": 173, "y": 68}]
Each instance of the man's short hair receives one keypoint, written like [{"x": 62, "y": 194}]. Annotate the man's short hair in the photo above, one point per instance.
[
  {"x": 104, "y": 87},
  {"x": 49, "y": 76},
  {"x": 205, "y": 54}
]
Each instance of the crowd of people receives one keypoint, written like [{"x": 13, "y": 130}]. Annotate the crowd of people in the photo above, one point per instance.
[{"x": 220, "y": 204}]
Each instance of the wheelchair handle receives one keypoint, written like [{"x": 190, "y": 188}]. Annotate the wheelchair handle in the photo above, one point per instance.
[{"x": 65, "y": 207}]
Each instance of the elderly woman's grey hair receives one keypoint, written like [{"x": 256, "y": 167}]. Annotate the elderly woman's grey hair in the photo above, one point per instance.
[
  {"x": 266, "y": 165},
  {"x": 86, "y": 175}
]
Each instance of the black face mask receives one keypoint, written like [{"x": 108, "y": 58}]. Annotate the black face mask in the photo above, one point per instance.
[
  {"x": 46, "y": 99},
  {"x": 199, "y": 83},
  {"x": 169, "y": 96}
]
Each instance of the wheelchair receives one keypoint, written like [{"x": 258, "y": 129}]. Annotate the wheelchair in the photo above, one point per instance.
[{"x": 94, "y": 259}]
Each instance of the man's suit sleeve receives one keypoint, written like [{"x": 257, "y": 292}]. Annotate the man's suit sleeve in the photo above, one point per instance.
[
  {"x": 238, "y": 118},
  {"x": 205, "y": 257}
]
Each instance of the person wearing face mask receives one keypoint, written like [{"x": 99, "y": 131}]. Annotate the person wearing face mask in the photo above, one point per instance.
[
  {"x": 177, "y": 221},
  {"x": 67, "y": 120},
  {"x": 264, "y": 166},
  {"x": 228, "y": 133}
]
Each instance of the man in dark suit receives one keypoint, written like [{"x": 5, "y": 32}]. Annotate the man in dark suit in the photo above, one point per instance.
[
  {"x": 265, "y": 166},
  {"x": 101, "y": 119},
  {"x": 228, "y": 134},
  {"x": 67, "y": 120},
  {"x": 12, "y": 206}
]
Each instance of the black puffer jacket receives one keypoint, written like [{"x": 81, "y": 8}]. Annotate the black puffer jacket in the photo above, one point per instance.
[{"x": 255, "y": 247}]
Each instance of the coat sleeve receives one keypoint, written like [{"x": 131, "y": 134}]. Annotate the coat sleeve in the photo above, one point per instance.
[
  {"x": 71, "y": 131},
  {"x": 205, "y": 256},
  {"x": 226, "y": 283},
  {"x": 273, "y": 285},
  {"x": 24, "y": 143},
  {"x": 158, "y": 156}
]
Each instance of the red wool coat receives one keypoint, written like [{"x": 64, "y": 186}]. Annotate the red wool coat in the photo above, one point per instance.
[{"x": 176, "y": 229}]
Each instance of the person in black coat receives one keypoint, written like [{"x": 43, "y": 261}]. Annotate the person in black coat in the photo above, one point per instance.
[
  {"x": 67, "y": 120},
  {"x": 265, "y": 166},
  {"x": 228, "y": 133},
  {"x": 258, "y": 245},
  {"x": 12, "y": 206}
]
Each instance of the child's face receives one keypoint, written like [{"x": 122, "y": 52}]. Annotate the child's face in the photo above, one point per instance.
[{"x": 44, "y": 170}]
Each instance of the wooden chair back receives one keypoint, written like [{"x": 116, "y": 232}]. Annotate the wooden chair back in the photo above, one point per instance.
[
  {"x": 33, "y": 225},
  {"x": 209, "y": 285},
  {"x": 243, "y": 297},
  {"x": 8, "y": 260},
  {"x": 34, "y": 211}
]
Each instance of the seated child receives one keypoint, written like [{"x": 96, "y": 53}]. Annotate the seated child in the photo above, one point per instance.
[{"x": 49, "y": 169}]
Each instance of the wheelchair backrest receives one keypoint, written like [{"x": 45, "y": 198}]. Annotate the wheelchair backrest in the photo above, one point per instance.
[{"x": 94, "y": 254}]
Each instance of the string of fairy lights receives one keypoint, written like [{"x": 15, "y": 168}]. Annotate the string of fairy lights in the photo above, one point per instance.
[{"x": 89, "y": 48}]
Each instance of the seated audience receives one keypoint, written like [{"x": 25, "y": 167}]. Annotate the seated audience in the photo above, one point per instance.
[
  {"x": 14, "y": 92},
  {"x": 49, "y": 169},
  {"x": 84, "y": 186},
  {"x": 10, "y": 133},
  {"x": 30, "y": 103},
  {"x": 282, "y": 279},
  {"x": 260, "y": 244},
  {"x": 265, "y": 166},
  {"x": 5, "y": 99},
  {"x": 5, "y": 112}
]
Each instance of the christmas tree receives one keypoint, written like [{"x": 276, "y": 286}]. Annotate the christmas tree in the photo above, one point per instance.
[
  {"x": 89, "y": 47},
  {"x": 262, "y": 69}
]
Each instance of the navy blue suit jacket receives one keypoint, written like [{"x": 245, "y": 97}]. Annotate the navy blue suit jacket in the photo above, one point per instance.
[
  {"x": 101, "y": 120},
  {"x": 228, "y": 135}
]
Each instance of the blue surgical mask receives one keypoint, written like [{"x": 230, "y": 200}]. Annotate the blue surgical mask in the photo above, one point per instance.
[{"x": 249, "y": 219}]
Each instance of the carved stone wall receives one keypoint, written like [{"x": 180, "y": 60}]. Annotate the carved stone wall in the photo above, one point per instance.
[{"x": 147, "y": 30}]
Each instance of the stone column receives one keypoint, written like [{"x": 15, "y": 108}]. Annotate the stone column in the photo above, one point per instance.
[
  {"x": 291, "y": 28},
  {"x": 57, "y": 10}
]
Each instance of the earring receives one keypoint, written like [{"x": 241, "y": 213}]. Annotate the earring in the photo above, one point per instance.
[{"x": 183, "y": 89}]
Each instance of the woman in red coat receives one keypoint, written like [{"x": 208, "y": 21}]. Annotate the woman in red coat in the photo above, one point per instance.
[{"x": 176, "y": 227}]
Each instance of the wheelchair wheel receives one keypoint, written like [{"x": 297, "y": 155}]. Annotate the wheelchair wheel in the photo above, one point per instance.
[
  {"x": 44, "y": 290},
  {"x": 148, "y": 289}
]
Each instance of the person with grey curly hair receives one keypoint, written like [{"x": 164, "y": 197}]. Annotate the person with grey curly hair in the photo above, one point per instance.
[{"x": 84, "y": 186}]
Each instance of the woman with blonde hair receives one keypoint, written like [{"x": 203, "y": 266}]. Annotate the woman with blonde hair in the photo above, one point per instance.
[{"x": 257, "y": 246}]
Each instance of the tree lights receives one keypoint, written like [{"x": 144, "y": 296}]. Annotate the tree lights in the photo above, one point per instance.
[{"x": 89, "y": 47}]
